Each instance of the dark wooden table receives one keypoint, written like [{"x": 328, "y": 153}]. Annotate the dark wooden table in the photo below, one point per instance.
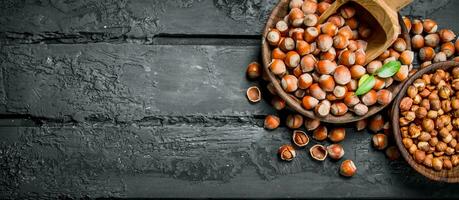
[{"x": 141, "y": 98}]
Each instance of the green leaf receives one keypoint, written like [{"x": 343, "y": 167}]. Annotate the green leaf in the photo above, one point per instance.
[
  {"x": 389, "y": 69},
  {"x": 363, "y": 78},
  {"x": 366, "y": 83}
]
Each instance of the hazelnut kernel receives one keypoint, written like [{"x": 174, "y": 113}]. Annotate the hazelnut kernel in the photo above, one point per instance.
[
  {"x": 419, "y": 156},
  {"x": 300, "y": 138},
  {"x": 287, "y": 153},
  {"x": 437, "y": 164}
]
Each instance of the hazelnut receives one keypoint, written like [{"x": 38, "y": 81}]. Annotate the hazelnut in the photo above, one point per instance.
[
  {"x": 414, "y": 131},
  {"x": 364, "y": 31},
  {"x": 360, "y": 109},
  {"x": 309, "y": 102},
  {"x": 338, "y": 109},
  {"x": 294, "y": 121},
  {"x": 277, "y": 66},
  {"x": 384, "y": 96},
  {"x": 424, "y": 146},
  {"x": 376, "y": 123},
  {"x": 286, "y": 152},
  {"x": 289, "y": 83},
  {"x": 320, "y": 133},
  {"x": 373, "y": 66},
  {"x": 316, "y": 91},
  {"x": 357, "y": 71},
  {"x": 428, "y": 160},
  {"x": 437, "y": 164},
  {"x": 310, "y": 34},
  {"x": 440, "y": 57},
  {"x": 337, "y": 135},
  {"x": 407, "y": 22},
  {"x": 340, "y": 41},
  {"x": 329, "y": 55},
  {"x": 447, "y": 164},
  {"x": 406, "y": 103},
  {"x": 342, "y": 75},
  {"x": 352, "y": 85},
  {"x": 278, "y": 103},
  {"x": 300, "y": 138},
  {"x": 417, "y": 41},
  {"x": 444, "y": 92},
  {"x": 296, "y": 34},
  {"x": 295, "y": 4},
  {"x": 287, "y": 44},
  {"x": 327, "y": 83},
  {"x": 329, "y": 29},
  {"x": 407, "y": 57},
  {"x": 277, "y": 53},
  {"x": 402, "y": 74},
  {"x": 340, "y": 92},
  {"x": 311, "y": 124},
  {"x": 441, "y": 146},
  {"x": 309, "y": 7},
  {"x": 335, "y": 151},
  {"x": 361, "y": 124},
  {"x": 326, "y": 67},
  {"x": 336, "y": 20},
  {"x": 322, "y": 6},
  {"x": 426, "y": 53},
  {"x": 318, "y": 152},
  {"x": 347, "y": 168},
  {"x": 253, "y": 70},
  {"x": 407, "y": 142},
  {"x": 421, "y": 113},
  {"x": 432, "y": 40},
  {"x": 412, "y": 149},
  {"x": 271, "y": 122},
  {"x": 253, "y": 94},
  {"x": 448, "y": 48},
  {"x": 370, "y": 98},
  {"x": 346, "y": 31},
  {"x": 392, "y": 153},
  {"x": 455, "y": 160},
  {"x": 303, "y": 48},
  {"x": 296, "y": 17},
  {"x": 308, "y": 63},
  {"x": 352, "y": 22},
  {"x": 399, "y": 45},
  {"x": 350, "y": 99},
  {"x": 384, "y": 55},
  {"x": 347, "y": 58},
  {"x": 323, "y": 108},
  {"x": 324, "y": 42},
  {"x": 419, "y": 156},
  {"x": 304, "y": 81},
  {"x": 311, "y": 20},
  {"x": 412, "y": 91},
  {"x": 417, "y": 27},
  {"x": 430, "y": 26},
  {"x": 380, "y": 141},
  {"x": 273, "y": 37}
]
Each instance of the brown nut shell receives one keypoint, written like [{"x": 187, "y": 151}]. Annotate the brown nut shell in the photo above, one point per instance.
[
  {"x": 318, "y": 152},
  {"x": 300, "y": 138}
]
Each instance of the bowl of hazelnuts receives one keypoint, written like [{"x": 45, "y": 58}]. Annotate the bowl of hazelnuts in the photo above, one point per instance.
[
  {"x": 425, "y": 121},
  {"x": 321, "y": 70}
]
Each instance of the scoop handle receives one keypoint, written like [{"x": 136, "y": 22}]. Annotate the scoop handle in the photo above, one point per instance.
[{"x": 397, "y": 5}]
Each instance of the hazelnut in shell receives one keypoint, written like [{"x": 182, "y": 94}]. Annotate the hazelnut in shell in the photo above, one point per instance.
[
  {"x": 271, "y": 122},
  {"x": 337, "y": 135},
  {"x": 348, "y": 168},
  {"x": 335, "y": 151}
]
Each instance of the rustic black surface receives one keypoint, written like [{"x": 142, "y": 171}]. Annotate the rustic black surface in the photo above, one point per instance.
[{"x": 146, "y": 99}]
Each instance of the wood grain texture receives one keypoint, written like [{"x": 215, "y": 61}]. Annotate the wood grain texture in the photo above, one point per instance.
[
  {"x": 145, "y": 160},
  {"x": 127, "y": 82},
  {"x": 140, "y": 21}
]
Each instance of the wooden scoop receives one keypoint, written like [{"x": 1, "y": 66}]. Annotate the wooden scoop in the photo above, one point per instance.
[{"x": 380, "y": 15}]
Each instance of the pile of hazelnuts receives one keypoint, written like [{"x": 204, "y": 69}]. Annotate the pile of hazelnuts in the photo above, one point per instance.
[
  {"x": 320, "y": 65},
  {"x": 430, "y": 119}
]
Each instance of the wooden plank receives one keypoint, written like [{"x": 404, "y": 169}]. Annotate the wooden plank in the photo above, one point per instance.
[
  {"x": 127, "y": 82},
  {"x": 141, "y": 160},
  {"x": 93, "y": 20}
]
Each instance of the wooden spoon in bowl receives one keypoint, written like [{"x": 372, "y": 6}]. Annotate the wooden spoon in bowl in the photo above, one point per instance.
[{"x": 380, "y": 15}]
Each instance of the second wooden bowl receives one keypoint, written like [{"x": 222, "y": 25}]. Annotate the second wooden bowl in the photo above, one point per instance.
[
  {"x": 278, "y": 14},
  {"x": 450, "y": 176}
]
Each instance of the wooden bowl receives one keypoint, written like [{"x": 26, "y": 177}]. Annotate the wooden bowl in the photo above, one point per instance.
[
  {"x": 450, "y": 176},
  {"x": 277, "y": 14}
]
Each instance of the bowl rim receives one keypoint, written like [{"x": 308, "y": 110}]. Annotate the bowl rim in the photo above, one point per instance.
[
  {"x": 441, "y": 176},
  {"x": 294, "y": 104}
]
